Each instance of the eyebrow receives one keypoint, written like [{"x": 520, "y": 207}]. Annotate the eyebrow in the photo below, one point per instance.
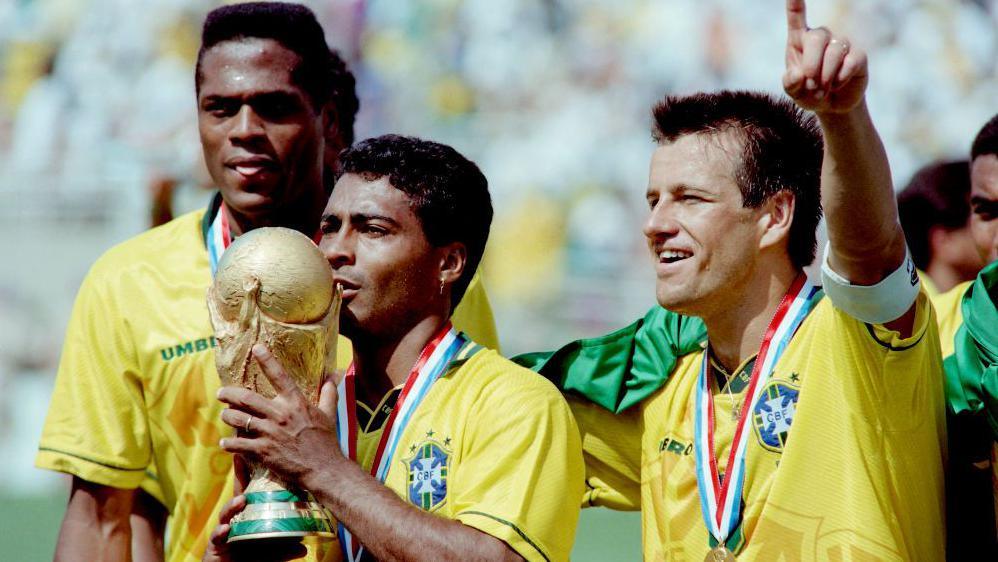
[
  {"x": 978, "y": 203},
  {"x": 678, "y": 187},
  {"x": 365, "y": 217},
  {"x": 360, "y": 218},
  {"x": 274, "y": 95},
  {"x": 688, "y": 187}
]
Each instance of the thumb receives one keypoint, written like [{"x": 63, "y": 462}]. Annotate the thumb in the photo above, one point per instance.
[{"x": 328, "y": 397}]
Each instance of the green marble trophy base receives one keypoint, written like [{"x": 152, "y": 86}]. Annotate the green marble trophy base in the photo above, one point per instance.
[{"x": 279, "y": 514}]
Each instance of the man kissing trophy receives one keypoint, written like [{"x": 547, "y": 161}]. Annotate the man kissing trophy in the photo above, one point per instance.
[{"x": 273, "y": 286}]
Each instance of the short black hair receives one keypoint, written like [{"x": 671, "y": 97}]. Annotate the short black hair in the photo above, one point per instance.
[
  {"x": 986, "y": 141},
  {"x": 292, "y": 25},
  {"x": 938, "y": 195},
  {"x": 782, "y": 151},
  {"x": 448, "y": 192},
  {"x": 343, "y": 96}
]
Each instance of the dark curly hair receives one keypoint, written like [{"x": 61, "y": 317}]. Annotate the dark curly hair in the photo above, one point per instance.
[
  {"x": 782, "y": 151},
  {"x": 938, "y": 195},
  {"x": 343, "y": 96},
  {"x": 448, "y": 192},
  {"x": 986, "y": 141}
]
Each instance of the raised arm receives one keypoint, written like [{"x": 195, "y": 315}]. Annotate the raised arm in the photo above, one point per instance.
[{"x": 826, "y": 74}]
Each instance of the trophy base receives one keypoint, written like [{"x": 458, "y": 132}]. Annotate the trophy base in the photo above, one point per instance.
[{"x": 281, "y": 514}]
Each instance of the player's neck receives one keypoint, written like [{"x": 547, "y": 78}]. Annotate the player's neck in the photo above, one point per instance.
[
  {"x": 302, "y": 215},
  {"x": 943, "y": 275},
  {"x": 736, "y": 332},
  {"x": 383, "y": 363}
]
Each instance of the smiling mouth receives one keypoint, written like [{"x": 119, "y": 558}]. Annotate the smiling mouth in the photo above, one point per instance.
[
  {"x": 251, "y": 168},
  {"x": 673, "y": 256}
]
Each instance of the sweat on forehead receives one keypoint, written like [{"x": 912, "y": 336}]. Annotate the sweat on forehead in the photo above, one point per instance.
[{"x": 291, "y": 25}]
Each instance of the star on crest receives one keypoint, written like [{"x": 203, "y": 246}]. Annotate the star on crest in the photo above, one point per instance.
[
  {"x": 447, "y": 442},
  {"x": 412, "y": 449},
  {"x": 794, "y": 377},
  {"x": 430, "y": 433}
]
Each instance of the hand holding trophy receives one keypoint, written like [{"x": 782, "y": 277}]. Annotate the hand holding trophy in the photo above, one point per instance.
[{"x": 274, "y": 287}]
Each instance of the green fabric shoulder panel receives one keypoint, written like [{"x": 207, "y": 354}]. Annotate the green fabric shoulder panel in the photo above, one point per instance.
[
  {"x": 619, "y": 369},
  {"x": 972, "y": 370}
]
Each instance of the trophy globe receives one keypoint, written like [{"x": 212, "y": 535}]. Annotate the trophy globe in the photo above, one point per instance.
[{"x": 273, "y": 286}]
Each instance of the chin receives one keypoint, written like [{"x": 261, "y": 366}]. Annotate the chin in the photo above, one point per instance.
[
  {"x": 678, "y": 300},
  {"x": 349, "y": 326},
  {"x": 671, "y": 301},
  {"x": 250, "y": 202}
]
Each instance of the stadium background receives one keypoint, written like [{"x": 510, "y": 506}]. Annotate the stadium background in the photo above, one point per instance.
[{"x": 550, "y": 97}]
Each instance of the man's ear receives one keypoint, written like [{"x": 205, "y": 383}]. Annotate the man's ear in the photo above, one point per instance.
[
  {"x": 331, "y": 129},
  {"x": 777, "y": 214},
  {"x": 940, "y": 241},
  {"x": 453, "y": 259}
]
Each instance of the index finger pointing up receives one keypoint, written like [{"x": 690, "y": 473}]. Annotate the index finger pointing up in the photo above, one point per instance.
[{"x": 796, "y": 16}]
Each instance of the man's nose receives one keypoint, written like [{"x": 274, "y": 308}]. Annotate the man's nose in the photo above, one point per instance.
[
  {"x": 338, "y": 249},
  {"x": 660, "y": 222},
  {"x": 247, "y": 124}
]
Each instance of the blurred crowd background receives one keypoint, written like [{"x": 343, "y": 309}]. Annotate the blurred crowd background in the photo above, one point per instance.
[{"x": 551, "y": 98}]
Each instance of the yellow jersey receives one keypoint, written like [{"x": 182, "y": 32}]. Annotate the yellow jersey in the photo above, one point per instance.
[
  {"x": 508, "y": 452},
  {"x": 859, "y": 476},
  {"x": 949, "y": 315},
  {"x": 929, "y": 285},
  {"x": 134, "y": 399}
]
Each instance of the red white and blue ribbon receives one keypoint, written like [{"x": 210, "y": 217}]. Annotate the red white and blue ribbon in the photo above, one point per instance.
[
  {"x": 431, "y": 365},
  {"x": 218, "y": 238},
  {"x": 721, "y": 502}
]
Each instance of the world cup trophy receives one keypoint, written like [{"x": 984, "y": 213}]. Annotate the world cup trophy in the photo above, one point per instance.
[{"x": 273, "y": 286}]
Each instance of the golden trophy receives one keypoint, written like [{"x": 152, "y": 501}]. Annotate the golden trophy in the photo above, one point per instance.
[{"x": 273, "y": 286}]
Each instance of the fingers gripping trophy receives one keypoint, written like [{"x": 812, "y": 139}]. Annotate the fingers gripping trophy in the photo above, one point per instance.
[{"x": 273, "y": 286}]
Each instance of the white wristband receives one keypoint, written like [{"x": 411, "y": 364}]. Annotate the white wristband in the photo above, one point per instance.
[{"x": 874, "y": 304}]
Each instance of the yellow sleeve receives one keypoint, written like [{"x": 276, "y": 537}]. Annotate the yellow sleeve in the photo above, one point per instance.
[
  {"x": 150, "y": 483},
  {"x": 611, "y": 447},
  {"x": 473, "y": 315},
  {"x": 895, "y": 375},
  {"x": 522, "y": 478},
  {"x": 96, "y": 426}
]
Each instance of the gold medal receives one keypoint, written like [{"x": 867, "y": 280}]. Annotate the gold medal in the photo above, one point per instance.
[{"x": 720, "y": 554}]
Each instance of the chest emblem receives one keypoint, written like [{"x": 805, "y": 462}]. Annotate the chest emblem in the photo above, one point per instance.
[
  {"x": 428, "y": 469},
  {"x": 774, "y": 414}
]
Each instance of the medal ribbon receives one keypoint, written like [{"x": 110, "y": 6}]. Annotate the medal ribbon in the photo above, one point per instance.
[
  {"x": 219, "y": 237},
  {"x": 430, "y": 366},
  {"x": 720, "y": 502}
]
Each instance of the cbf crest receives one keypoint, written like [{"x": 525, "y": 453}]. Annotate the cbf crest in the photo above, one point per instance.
[
  {"x": 774, "y": 414},
  {"x": 428, "y": 469}
]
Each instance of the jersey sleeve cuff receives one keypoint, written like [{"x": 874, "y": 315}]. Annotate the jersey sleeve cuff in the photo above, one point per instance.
[
  {"x": 883, "y": 302},
  {"x": 892, "y": 340},
  {"x": 89, "y": 469},
  {"x": 508, "y": 532}
]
